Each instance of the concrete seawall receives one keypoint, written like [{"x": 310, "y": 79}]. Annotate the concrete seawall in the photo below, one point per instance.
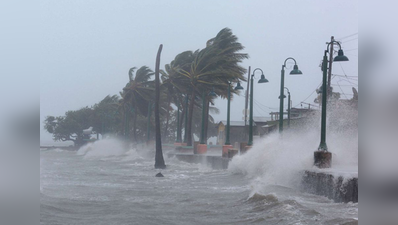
[{"x": 331, "y": 186}]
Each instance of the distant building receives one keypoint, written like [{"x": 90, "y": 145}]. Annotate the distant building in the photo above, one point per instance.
[
  {"x": 295, "y": 113},
  {"x": 263, "y": 125},
  {"x": 239, "y": 133},
  {"x": 298, "y": 117}
]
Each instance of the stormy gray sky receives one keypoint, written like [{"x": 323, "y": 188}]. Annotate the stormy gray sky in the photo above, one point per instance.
[{"x": 87, "y": 47}]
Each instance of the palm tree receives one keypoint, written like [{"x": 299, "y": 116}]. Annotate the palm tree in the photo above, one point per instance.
[
  {"x": 125, "y": 110},
  {"x": 138, "y": 92},
  {"x": 170, "y": 83},
  {"x": 167, "y": 89},
  {"x": 212, "y": 67}
]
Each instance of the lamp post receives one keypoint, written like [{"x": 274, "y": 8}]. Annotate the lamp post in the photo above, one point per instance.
[
  {"x": 295, "y": 71},
  {"x": 288, "y": 107},
  {"x": 323, "y": 158},
  {"x": 227, "y": 144},
  {"x": 202, "y": 147},
  {"x": 262, "y": 80}
]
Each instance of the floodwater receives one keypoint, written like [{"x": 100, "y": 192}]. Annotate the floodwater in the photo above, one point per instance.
[{"x": 104, "y": 184}]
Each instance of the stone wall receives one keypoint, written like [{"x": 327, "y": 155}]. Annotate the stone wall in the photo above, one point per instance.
[{"x": 335, "y": 188}]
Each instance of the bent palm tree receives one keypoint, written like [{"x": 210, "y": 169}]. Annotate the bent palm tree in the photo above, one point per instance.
[
  {"x": 171, "y": 85},
  {"x": 138, "y": 92},
  {"x": 212, "y": 67}
]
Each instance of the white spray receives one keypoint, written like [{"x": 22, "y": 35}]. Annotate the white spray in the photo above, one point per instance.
[{"x": 282, "y": 160}]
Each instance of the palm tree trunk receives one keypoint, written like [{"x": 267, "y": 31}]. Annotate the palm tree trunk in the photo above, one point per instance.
[
  {"x": 159, "y": 160},
  {"x": 206, "y": 118},
  {"x": 167, "y": 116},
  {"x": 182, "y": 118},
  {"x": 190, "y": 116},
  {"x": 186, "y": 119}
]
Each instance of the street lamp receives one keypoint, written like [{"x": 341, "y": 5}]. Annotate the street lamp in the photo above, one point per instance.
[
  {"x": 202, "y": 147},
  {"x": 262, "y": 80},
  {"x": 323, "y": 158},
  {"x": 295, "y": 71},
  {"x": 227, "y": 144},
  {"x": 288, "y": 107}
]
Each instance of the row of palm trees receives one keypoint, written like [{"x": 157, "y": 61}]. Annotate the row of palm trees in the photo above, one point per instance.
[{"x": 187, "y": 77}]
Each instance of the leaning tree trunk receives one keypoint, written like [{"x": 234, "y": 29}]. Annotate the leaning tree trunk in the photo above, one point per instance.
[
  {"x": 182, "y": 118},
  {"x": 167, "y": 116},
  {"x": 190, "y": 116},
  {"x": 186, "y": 104},
  {"x": 159, "y": 160},
  {"x": 206, "y": 118}
]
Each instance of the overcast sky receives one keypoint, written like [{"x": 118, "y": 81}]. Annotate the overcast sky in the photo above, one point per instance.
[{"x": 87, "y": 47}]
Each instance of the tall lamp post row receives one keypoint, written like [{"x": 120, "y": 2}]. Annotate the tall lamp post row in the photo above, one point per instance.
[{"x": 239, "y": 87}]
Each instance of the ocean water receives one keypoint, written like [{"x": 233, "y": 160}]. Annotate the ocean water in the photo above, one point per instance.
[{"x": 109, "y": 183}]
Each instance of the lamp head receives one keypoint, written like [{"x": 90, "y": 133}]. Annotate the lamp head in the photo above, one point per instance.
[
  {"x": 238, "y": 86},
  {"x": 263, "y": 79},
  {"x": 295, "y": 71},
  {"x": 284, "y": 96},
  {"x": 340, "y": 57}
]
